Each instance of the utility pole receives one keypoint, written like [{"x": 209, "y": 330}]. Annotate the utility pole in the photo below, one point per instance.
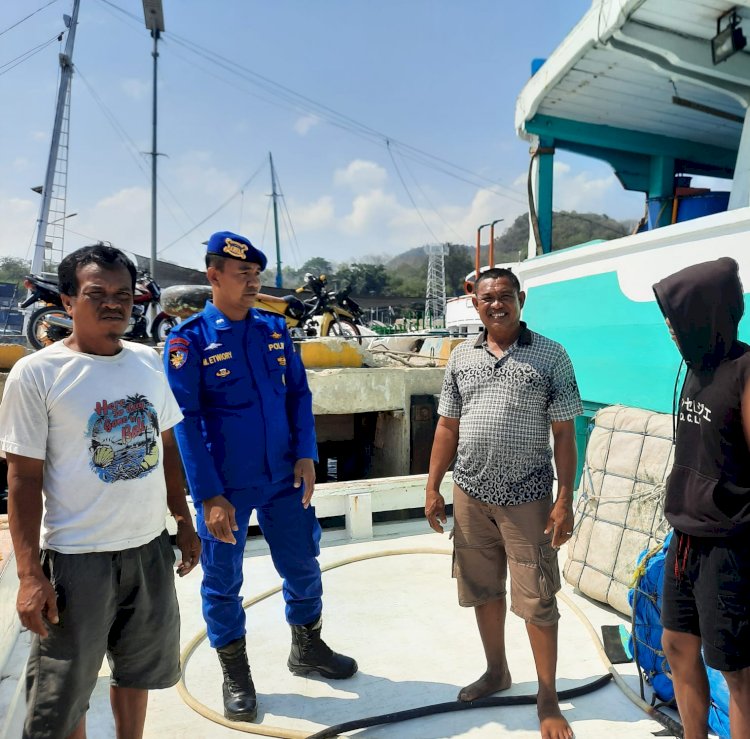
[
  {"x": 275, "y": 195},
  {"x": 61, "y": 113},
  {"x": 154, "y": 17}
]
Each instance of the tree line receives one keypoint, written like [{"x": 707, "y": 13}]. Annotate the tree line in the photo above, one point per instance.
[{"x": 406, "y": 273}]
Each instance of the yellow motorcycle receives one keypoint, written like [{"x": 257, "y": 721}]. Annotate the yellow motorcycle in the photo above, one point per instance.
[{"x": 326, "y": 313}]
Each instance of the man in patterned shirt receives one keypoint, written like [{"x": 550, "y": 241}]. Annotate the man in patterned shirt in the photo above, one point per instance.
[{"x": 502, "y": 393}]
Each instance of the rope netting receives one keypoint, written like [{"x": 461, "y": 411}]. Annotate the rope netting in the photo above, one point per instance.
[{"x": 620, "y": 502}]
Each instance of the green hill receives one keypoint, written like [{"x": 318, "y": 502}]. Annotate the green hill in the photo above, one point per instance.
[{"x": 406, "y": 273}]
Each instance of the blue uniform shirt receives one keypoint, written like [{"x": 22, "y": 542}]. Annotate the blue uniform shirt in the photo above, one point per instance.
[{"x": 244, "y": 396}]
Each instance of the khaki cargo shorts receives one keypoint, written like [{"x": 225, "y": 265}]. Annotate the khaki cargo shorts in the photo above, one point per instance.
[{"x": 490, "y": 540}]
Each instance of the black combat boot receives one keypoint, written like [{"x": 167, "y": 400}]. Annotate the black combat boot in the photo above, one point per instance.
[
  {"x": 311, "y": 654},
  {"x": 240, "y": 703}
]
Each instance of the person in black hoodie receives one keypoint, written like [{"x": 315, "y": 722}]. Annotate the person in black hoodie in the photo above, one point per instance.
[{"x": 706, "y": 593}]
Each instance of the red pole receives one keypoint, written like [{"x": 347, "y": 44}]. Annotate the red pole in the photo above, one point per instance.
[{"x": 477, "y": 258}]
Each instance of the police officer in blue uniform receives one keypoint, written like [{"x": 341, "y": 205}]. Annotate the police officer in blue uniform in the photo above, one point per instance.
[{"x": 248, "y": 443}]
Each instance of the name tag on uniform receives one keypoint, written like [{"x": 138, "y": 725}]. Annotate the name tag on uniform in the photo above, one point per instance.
[{"x": 214, "y": 358}]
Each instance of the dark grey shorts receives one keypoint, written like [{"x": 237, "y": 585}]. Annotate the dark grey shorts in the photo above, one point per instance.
[{"x": 122, "y": 604}]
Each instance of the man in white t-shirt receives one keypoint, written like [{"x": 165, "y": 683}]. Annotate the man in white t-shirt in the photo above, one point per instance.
[{"x": 85, "y": 425}]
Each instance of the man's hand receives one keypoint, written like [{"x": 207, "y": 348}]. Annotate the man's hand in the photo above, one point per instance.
[
  {"x": 560, "y": 523},
  {"x": 190, "y": 546},
  {"x": 36, "y": 598},
  {"x": 434, "y": 509},
  {"x": 304, "y": 471},
  {"x": 218, "y": 513}
]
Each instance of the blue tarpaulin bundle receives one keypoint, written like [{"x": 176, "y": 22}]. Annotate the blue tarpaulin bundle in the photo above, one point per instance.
[{"x": 645, "y": 640}]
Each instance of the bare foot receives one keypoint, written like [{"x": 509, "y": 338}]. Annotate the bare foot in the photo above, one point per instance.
[
  {"x": 491, "y": 682},
  {"x": 551, "y": 721}
]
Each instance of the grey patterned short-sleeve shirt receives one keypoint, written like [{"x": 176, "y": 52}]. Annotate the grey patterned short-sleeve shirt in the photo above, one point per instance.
[{"x": 505, "y": 406}]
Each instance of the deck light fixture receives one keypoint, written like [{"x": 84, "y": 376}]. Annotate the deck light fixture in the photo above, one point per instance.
[{"x": 728, "y": 40}]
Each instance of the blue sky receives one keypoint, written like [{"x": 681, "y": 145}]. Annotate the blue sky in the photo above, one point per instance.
[{"x": 438, "y": 75}]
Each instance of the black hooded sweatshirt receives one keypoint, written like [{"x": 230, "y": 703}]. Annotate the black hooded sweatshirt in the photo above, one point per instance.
[{"x": 708, "y": 490}]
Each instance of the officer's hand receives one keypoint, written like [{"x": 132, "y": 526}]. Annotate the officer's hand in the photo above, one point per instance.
[
  {"x": 304, "y": 471},
  {"x": 434, "y": 509},
  {"x": 218, "y": 514}
]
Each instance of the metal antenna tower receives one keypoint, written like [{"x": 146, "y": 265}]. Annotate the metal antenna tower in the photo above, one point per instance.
[
  {"x": 50, "y": 234},
  {"x": 55, "y": 241},
  {"x": 434, "y": 306}
]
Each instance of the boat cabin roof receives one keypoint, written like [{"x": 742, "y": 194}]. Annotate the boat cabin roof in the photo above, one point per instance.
[{"x": 635, "y": 78}]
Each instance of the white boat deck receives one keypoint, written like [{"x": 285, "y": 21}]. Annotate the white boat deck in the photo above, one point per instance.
[{"x": 415, "y": 646}]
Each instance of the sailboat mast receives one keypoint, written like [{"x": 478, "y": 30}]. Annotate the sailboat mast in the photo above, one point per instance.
[
  {"x": 66, "y": 74},
  {"x": 275, "y": 195}
]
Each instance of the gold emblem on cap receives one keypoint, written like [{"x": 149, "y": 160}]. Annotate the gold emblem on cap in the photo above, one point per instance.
[
  {"x": 235, "y": 248},
  {"x": 275, "y": 335}
]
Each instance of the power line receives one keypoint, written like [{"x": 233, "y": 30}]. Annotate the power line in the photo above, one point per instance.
[
  {"x": 309, "y": 105},
  {"x": 214, "y": 212},
  {"x": 413, "y": 202},
  {"x": 132, "y": 149},
  {"x": 429, "y": 202},
  {"x": 265, "y": 225},
  {"x": 18, "y": 23},
  {"x": 21, "y": 58},
  {"x": 85, "y": 236},
  {"x": 302, "y": 103},
  {"x": 294, "y": 241},
  {"x": 305, "y": 104}
]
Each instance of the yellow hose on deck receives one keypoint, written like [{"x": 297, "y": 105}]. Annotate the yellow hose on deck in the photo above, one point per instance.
[{"x": 282, "y": 733}]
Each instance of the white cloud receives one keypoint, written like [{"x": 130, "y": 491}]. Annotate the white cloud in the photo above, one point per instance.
[
  {"x": 584, "y": 192},
  {"x": 370, "y": 213},
  {"x": 129, "y": 199},
  {"x": 580, "y": 190},
  {"x": 122, "y": 217},
  {"x": 361, "y": 176},
  {"x": 196, "y": 172},
  {"x": 135, "y": 88},
  {"x": 304, "y": 124},
  {"x": 40, "y": 135},
  {"x": 313, "y": 216}
]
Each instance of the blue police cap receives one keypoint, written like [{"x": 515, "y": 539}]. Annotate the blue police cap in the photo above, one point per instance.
[{"x": 234, "y": 246}]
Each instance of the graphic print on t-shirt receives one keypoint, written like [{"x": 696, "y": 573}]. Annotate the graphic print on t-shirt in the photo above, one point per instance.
[{"x": 123, "y": 436}]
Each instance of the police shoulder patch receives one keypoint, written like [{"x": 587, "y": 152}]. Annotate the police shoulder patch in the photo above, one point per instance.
[{"x": 177, "y": 357}]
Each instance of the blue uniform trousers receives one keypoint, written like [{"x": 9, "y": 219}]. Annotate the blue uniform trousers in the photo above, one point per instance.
[{"x": 293, "y": 535}]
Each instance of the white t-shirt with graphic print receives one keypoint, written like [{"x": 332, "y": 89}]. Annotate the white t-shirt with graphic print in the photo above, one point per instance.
[{"x": 96, "y": 422}]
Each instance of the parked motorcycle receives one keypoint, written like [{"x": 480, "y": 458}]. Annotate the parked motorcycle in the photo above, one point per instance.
[
  {"x": 50, "y": 323},
  {"x": 326, "y": 313}
]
